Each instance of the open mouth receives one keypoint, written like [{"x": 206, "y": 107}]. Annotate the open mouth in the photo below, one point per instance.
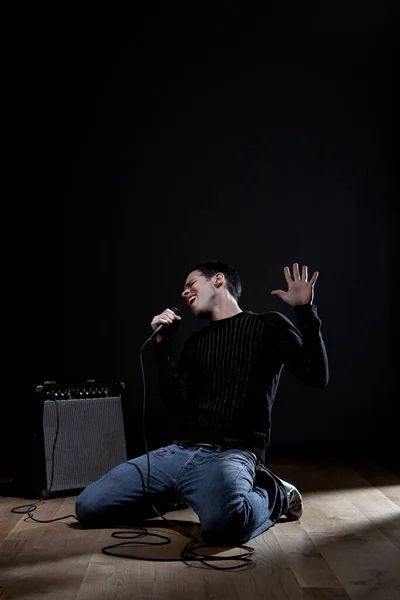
[{"x": 192, "y": 300}]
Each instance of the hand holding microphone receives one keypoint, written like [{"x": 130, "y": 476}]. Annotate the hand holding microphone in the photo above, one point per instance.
[{"x": 165, "y": 324}]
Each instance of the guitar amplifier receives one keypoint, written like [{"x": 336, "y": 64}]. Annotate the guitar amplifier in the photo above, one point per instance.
[{"x": 66, "y": 436}]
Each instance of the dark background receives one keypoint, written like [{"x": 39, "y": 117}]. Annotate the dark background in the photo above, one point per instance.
[{"x": 254, "y": 134}]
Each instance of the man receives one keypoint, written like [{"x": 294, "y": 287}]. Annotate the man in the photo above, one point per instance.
[{"x": 221, "y": 395}]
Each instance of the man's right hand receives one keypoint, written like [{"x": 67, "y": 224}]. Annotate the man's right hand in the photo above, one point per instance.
[{"x": 165, "y": 318}]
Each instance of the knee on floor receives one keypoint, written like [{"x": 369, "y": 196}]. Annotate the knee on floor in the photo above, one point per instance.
[
  {"x": 225, "y": 531},
  {"x": 87, "y": 508},
  {"x": 94, "y": 510}
]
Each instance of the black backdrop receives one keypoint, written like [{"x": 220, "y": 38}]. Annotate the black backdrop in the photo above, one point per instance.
[{"x": 259, "y": 136}]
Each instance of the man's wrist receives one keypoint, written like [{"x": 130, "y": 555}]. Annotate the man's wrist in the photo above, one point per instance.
[{"x": 303, "y": 311}]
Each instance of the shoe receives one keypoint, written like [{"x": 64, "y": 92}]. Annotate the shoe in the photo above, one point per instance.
[{"x": 295, "y": 508}]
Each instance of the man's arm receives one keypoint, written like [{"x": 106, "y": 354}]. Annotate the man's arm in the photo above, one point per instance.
[
  {"x": 302, "y": 352},
  {"x": 172, "y": 379}
]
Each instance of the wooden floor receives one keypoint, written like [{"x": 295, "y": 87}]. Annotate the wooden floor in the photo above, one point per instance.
[{"x": 346, "y": 545}]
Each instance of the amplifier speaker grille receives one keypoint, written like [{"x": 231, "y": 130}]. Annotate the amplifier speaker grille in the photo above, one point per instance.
[
  {"x": 90, "y": 440},
  {"x": 65, "y": 437}
]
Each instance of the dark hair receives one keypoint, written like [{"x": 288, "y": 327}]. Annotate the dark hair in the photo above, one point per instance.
[{"x": 211, "y": 267}]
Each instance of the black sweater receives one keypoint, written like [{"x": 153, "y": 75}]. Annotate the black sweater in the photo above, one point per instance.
[{"x": 224, "y": 387}]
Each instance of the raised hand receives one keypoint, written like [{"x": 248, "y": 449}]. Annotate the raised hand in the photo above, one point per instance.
[{"x": 300, "y": 291}]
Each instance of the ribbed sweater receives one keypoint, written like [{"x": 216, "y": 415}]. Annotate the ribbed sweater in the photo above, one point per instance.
[{"x": 223, "y": 389}]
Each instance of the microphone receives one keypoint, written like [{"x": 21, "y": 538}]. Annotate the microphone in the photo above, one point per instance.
[{"x": 162, "y": 327}]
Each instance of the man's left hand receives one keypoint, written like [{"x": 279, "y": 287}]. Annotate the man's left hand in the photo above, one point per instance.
[{"x": 300, "y": 291}]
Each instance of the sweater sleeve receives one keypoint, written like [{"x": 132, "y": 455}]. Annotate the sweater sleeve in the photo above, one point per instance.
[
  {"x": 172, "y": 379},
  {"x": 302, "y": 350}
]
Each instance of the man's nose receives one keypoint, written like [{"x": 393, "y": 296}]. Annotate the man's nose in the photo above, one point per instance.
[{"x": 184, "y": 293}]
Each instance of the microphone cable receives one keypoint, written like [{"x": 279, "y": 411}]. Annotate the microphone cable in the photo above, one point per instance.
[{"x": 28, "y": 509}]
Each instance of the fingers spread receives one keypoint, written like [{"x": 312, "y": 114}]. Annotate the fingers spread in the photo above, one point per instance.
[{"x": 304, "y": 273}]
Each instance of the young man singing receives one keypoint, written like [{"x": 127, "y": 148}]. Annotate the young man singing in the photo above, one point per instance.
[{"x": 221, "y": 394}]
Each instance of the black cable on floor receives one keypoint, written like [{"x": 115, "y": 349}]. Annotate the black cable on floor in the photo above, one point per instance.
[{"x": 33, "y": 506}]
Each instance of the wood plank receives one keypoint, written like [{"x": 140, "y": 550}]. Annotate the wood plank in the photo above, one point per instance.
[
  {"x": 269, "y": 576},
  {"x": 45, "y": 558},
  {"x": 37, "y": 572},
  {"x": 362, "y": 558},
  {"x": 341, "y": 548},
  {"x": 25, "y": 529},
  {"x": 325, "y": 594},
  {"x": 8, "y": 520},
  {"x": 387, "y": 482},
  {"x": 376, "y": 506},
  {"x": 307, "y": 563}
]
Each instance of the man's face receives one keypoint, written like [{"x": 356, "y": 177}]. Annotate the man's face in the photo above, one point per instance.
[{"x": 199, "y": 292}]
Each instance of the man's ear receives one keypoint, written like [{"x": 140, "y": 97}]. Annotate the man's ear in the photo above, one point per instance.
[{"x": 219, "y": 279}]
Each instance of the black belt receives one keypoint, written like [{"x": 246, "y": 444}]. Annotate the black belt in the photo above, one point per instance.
[{"x": 188, "y": 443}]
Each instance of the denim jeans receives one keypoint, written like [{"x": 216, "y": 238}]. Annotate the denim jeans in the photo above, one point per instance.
[{"x": 234, "y": 498}]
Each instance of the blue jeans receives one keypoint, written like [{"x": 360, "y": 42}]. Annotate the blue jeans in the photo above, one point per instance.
[{"x": 234, "y": 498}]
